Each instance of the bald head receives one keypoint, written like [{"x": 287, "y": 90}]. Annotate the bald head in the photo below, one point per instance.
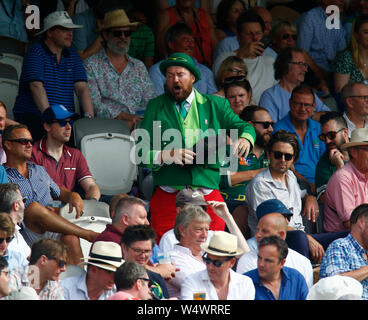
[{"x": 272, "y": 224}]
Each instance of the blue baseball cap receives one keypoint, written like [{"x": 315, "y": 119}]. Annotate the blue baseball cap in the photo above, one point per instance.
[
  {"x": 57, "y": 112},
  {"x": 273, "y": 206}
]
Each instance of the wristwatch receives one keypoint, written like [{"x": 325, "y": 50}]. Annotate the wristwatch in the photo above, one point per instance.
[{"x": 87, "y": 115}]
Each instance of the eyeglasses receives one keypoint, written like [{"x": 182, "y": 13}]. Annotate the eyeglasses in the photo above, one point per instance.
[
  {"x": 234, "y": 79},
  {"x": 63, "y": 123},
  {"x": 237, "y": 71},
  {"x": 216, "y": 263},
  {"x": 286, "y": 36},
  {"x": 60, "y": 263},
  {"x": 22, "y": 141},
  {"x": 330, "y": 135},
  {"x": 4, "y": 271},
  {"x": 299, "y": 104},
  {"x": 365, "y": 98},
  {"x": 9, "y": 239},
  {"x": 150, "y": 282},
  {"x": 266, "y": 124},
  {"x": 140, "y": 251},
  {"x": 119, "y": 33},
  {"x": 279, "y": 155},
  {"x": 300, "y": 64}
]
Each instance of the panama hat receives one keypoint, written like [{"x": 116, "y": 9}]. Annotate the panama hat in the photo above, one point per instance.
[
  {"x": 117, "y": 18},
  {"x": 58, "y": 18},
  {"x": 106, "y": 255},
  {"x": 182, "y": 60},
  {"x": 222, "y": 244},
  {"x": 335, "y": 287},
  {"x": 359, "y": 137},
  {"x": 273, "y": 206}
]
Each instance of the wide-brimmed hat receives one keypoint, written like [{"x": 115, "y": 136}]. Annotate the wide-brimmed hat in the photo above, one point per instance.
[
  {"x": 105, "y": 255},
  {"x": 222, "y": 244},
  {"x": 58, "y": 18},
  {"x": 190, "y": 196},
  {"x": 334, "y": 288},
  {"x": 57, "y": 112},
  {"x": 272, "y": 206},
  {"x": 24, "y": 293},
  {"x": 182, "y": 60},
  {"x": 359, "y": 137},
  {"x": 115, "y": 19}
]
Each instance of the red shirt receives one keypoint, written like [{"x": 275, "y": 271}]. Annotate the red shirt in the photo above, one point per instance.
[{"x": 71, "y": 168}]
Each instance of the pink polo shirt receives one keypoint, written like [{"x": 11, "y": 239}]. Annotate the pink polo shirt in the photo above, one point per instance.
[
  {"x": 71, "y": 168},
  {"x": 346, "y": 189}
]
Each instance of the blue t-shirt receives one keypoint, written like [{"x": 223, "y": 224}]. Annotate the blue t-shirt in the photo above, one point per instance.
[
  {"x": 3, "y": 175},
  {"x": 58, "y": 79},
  {"x": 293, "y": 285},
  {"x": 276, "y": 101},
  {"x": 312, "y": 149}
]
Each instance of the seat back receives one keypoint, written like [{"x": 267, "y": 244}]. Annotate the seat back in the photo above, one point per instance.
[
  {"x": 13, "y": 60},
  {"x": 92, "y": 208},
  {"x": 13, "y": 46},
  {"x": 7, "y": 71},
  {"x": 8, "y": 94}
]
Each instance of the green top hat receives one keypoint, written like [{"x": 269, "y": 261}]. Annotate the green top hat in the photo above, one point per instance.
[{"x": 182, "y": 60}]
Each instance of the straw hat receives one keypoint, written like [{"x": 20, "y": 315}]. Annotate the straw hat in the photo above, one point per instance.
[
  {"x": 115, "y": 19},
  {"x": 222, "y": 244},
  {"x": 359, "y": 137},
  {"x": 58, "y": 18},
  {"x": 24, "y": 293},
  {"x": 106, "y": 255}
]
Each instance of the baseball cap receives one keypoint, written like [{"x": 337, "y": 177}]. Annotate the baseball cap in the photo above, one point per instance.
[
  {"x": 190, "y": 196},
  {"x": 57, "y": 112},
  {"x": 272, "y": 206}
]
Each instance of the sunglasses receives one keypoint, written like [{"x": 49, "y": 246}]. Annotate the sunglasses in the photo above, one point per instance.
[
  {"x": 234, "y": 79},
  {"x": 150, "y": 282},
  {"x": 119, "y": 33},
  {"x": 22, "y": 141},
  {"x": 330, "y": 135},
  {"x": 266, "y": 124},
  {"x": 9, "y": 239},
  {"x": 63, "y": 123},
  {"x": 286, "y": 36},
  {"x": 216, "y": 263},
  {"x": 59, "y": 262},
  {"x": 279, "y": 155}
]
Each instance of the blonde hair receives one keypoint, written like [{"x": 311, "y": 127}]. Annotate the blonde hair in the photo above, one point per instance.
[{"x": 228, "y": 64}]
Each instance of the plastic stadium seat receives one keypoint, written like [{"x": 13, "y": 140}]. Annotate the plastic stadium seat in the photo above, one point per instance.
[
  {"x": 8, "y": 94},
  {"x": 92, "y": 208},
  {"x": 14, "y": 60},
  {"x": 7, "y": 71},
  {"x": 13, "y": 46}
]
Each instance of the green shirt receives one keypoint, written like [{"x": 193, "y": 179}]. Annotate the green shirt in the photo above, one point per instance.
[{"x": 142, "y": 43}]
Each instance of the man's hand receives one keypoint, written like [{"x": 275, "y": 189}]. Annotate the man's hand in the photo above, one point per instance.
[
  {"x": 166, "y": 270},
  {"x": 311, "y": 208},
  {"x": 336, "y": 157},
  {"x": 177, "y": 156},
  {"x": 220, "y": 208},
  {"x": 315, "y": 249},
  {"x": 130, "y": 119},
  {"x": 77, "y": 203},
  {"x": 251, "y": 50},
  {"x": 241, "y": 147}
]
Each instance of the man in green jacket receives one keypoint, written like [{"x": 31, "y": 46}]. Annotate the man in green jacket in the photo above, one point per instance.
[{"x": 181, "y": 135}]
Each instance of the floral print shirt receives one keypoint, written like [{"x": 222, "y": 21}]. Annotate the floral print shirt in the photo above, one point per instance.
[{"x": 111, "y": 92}]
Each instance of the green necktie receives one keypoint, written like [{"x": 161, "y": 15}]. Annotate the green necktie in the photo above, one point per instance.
[{"x": 182, "y": 109}]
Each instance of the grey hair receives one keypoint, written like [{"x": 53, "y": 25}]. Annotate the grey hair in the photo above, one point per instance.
[
  {"x": 124, "y": 206},
  {"x": 127, "y": 275},
  {"x": 348, "y": 90},
  {"x": 186, "y": 215},
  {"x": 8, "y": 195}
]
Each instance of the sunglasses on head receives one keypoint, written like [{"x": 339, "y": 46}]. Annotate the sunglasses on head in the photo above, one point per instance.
[
  {"x": 63, "y": 123},
  {"x": 286, "y": 36},
  {"x": 234, "y": 79},
  {"x": 119, "y": 33},
  {"x": 266, "y": 124},
  {"x": 330, "y": 135},
  {"x": 8, "y": 239},
  {"x": 22, "y": 141},
  {"x": 59, "y": 262},
  {"x": 279, "y": 155},
  {"x": 216, "y": 263}
]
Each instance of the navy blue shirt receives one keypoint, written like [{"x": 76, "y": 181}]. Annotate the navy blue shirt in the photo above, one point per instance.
[
  {"x": 293, "y": 285},
  {"x": 58, "y": 79}
]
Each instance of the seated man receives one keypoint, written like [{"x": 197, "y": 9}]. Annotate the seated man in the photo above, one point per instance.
[
  {"x": 47, "y": 261},
  {"x": 41, "y": 221},
  {"x": 65, "y": 165},
  {"x": 346, "y": 189},
  {"x": 179, "y": 38},
  {"x": 298, "y": 121},
  {"x": 218, "y": 281},
  {"x": 347, "y": 256},
  {"x": 273, "y": 221},
  {"x": 4, "y": 279},
  {"x": 272, "y": 280},
  {"x": 98, "y": 282},
  {"x": 334, "y": 135}
]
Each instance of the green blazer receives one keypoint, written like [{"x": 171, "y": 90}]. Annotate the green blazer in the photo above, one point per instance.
[{"x": 214, "y": 113}]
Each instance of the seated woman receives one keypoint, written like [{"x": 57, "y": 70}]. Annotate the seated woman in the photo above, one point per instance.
[
  {"x": 227, "y": 13},
  {"x": 352, "y": 63},
  {"x": 230, "y": 67},
  {"x": 239, "y": 93}
]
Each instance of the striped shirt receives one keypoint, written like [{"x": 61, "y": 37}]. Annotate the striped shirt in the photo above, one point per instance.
[
  {"x": 39, "y": 187},
  {"x": 58, "y": 79},
  {"x": 344, "y": 255}
]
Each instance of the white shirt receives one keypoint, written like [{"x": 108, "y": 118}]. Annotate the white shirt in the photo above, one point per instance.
[
  {"x": 263, "y": 187},
  {"x": 188, "y": 264},
  {"x": 351, "y": 125},
  {"x": 240, "y": 287},
  {"x": 248, "y": 261},
  {"x": 18, "y": 244}
]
